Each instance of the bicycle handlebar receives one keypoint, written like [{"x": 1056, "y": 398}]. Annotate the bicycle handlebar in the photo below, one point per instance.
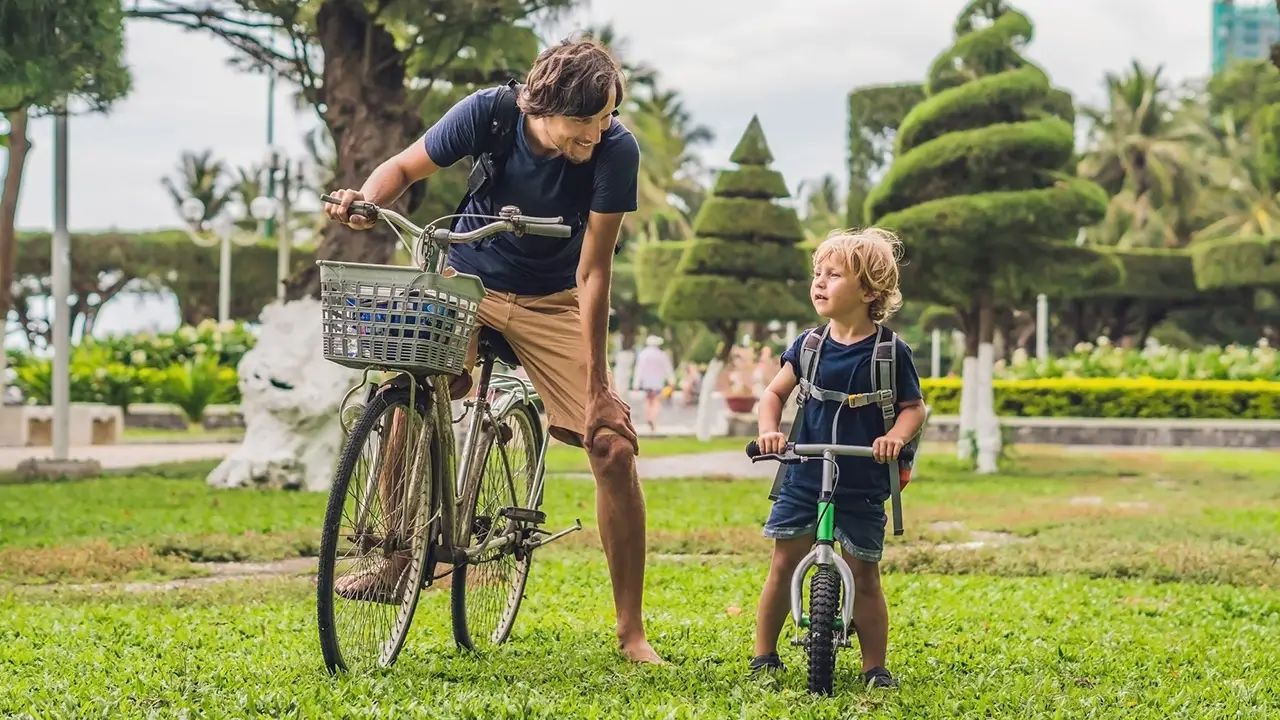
[
  {"x": 793, "y": 453},
  {"x": 508, "y": 222}
]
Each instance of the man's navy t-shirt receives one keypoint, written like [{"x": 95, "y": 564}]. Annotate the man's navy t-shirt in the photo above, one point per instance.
[
  {"x": 539, "y": 186},
  {"x": 847, "y": 369}
]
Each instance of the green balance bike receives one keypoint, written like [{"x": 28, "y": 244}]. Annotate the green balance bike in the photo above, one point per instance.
[
  {"x": 410, "y": 505},
  {"x": 827, "y": 624}
]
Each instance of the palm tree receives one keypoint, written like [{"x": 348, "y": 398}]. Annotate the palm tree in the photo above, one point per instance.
[
  {"x": 1143, "y": 152},
  {"x": 1239, "y": 196},
  {"x": 822, "y": 209},
  {"x": 201, "y": 177}
]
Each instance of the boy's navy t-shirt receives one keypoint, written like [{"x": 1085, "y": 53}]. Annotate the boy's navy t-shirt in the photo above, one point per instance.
[
  {"x": 539, "y": 186},
  {"x": 847, "y": 369}
]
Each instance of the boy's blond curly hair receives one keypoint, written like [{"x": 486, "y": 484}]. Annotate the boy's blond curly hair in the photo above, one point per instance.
[{"x": 871, "y": 255}]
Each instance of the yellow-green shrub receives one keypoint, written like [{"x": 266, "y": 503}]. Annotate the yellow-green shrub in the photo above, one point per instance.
[{"x": 1118, "y": 398}]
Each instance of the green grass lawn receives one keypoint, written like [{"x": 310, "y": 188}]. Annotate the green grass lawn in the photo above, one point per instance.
[{"x": 1109, "y": 585}]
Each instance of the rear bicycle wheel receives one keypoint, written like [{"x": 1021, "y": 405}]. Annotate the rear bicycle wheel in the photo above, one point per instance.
[
  {"x": 823, "y": 640},
  {"x": 378, "y": 532},
  {"x": 487, "y": 590}
]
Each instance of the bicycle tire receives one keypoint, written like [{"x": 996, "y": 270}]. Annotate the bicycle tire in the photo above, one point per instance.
[
  {"x": 331, "y": 644},
  {"x": 824, "y": 602},
  {"x": 464, "y": 624}
]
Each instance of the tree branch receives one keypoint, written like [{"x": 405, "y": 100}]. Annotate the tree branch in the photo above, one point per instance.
[{"x": 236, "y": 31}]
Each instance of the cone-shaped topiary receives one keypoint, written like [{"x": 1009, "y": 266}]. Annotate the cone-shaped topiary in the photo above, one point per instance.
[{"x": 745, "y": 263}]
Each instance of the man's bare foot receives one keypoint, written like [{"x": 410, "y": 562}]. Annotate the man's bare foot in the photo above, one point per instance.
[
  {"x": 380, "y": 581},
  {"x": 640, "y": 651}
]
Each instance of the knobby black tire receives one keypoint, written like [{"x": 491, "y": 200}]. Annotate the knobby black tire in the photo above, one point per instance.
[
  {"x": 824, "y": 602},
  {"x": 464, "y": 626},
  {"x": 330, "y": 643}
]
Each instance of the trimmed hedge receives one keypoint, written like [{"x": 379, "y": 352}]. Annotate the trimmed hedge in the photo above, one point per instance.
[
  {"x": 1235, "y": 262},
  {"x": 875, "y": 114},
  {"x": 1002, "y": 157},
  {"x": 1118, "y": 398},
  {"x": 655, "y": 265},
  {"x": 744, "y": 263}
]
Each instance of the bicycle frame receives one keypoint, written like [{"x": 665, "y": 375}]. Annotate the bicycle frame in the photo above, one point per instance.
[{"x": 429, "y": 252}]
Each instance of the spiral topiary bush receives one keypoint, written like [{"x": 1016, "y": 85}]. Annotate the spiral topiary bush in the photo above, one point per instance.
[{"x": 982, "y": 185}]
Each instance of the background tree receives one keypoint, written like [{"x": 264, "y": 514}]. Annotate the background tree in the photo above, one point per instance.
[
  {"x": 203, "y": 177},
  {"x": 63, "y": 56},
  {"x": 981, "y": 193},
  {"x": 368, "y": 69},
  {"x": 744, "y": 264},
  {"x": 1143, "y": 152},
  {"x": 875, "y": 112}
]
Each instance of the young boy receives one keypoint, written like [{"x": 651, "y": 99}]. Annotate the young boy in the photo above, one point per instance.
[{"x": 855, "y": 287}]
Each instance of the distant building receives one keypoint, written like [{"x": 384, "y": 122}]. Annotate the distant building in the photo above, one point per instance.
[{"x": 1243, "y": 31}]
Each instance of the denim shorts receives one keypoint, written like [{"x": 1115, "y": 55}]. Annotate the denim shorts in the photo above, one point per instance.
[{"x": 859, "y": 526}]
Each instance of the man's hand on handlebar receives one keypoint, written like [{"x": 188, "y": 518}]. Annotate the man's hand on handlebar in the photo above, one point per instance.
[{"x": 342, "y": 212}]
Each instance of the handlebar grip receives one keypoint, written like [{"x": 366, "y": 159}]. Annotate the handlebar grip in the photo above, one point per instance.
[
  {"x": 366, "y": 210},
  {"x": 556, "y": 231},
  {"x": 753, "y": 449}
]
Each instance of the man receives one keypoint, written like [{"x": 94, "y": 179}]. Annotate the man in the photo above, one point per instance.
[{"x": 549, "y": 297}]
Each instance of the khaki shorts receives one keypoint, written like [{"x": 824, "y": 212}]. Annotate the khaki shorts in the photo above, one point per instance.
[{"x": 546, "y": 333}]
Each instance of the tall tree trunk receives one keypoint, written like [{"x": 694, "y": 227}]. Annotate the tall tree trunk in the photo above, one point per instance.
[
  {"x": 969, "y": 379},
  {"x": 19, "y": 146},
  {"x": 988, "y": 426},
  {"x": 370, "y": 119}
]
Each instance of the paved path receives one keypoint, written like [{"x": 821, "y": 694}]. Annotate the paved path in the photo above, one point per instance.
[
  {"x": 123, "y": 456},
  {"x": 732, "y": 463}
]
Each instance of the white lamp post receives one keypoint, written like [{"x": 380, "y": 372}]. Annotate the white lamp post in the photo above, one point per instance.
[
  {"x": 222, "y": 231},
  {"x": 291, "y": 172}
]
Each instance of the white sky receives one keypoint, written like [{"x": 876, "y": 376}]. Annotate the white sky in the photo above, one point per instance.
[{"x": 790, "y": 61}]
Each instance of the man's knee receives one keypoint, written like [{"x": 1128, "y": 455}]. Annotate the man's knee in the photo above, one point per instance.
[{"x": 612, "y": 457}]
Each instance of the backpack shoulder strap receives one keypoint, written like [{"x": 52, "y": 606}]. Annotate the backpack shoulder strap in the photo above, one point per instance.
[
  {"x": 502, "y": 125},
  {"x": 810, "y": 348},
  {"x": 810, "y": 354},
  {"x": 493, "y": 147},
  {"x": 884, "y": 371}
]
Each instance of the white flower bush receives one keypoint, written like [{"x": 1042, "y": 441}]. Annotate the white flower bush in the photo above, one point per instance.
[{"x": 1105, "y": 359}]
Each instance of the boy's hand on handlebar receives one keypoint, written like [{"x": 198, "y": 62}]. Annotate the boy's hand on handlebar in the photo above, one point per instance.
[
  {"x": 771, "y": 443},
  {"x": 340, "y": 212},
  {"x": 885, "y": 448}
]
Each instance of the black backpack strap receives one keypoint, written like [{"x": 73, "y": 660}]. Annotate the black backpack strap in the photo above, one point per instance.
[
  {"x": 810, "y": 349},
  {"x": 493, "y": 148}
]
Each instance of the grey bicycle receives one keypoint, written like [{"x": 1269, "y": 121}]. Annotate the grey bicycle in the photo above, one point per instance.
[{"x": 406, "y": 510}]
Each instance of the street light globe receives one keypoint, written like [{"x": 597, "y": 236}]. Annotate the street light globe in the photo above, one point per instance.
[
  {"x": 224, "y": 224},
  {"x": 192, "y": 210},
  {"x": 262, "y": 208}
]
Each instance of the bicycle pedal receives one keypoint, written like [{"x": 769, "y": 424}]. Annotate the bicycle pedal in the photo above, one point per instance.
[{"x": 524, "y": 515}]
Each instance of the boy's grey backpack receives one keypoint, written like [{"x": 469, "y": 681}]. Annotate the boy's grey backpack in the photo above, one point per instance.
[{"x": 884, "y": 373}]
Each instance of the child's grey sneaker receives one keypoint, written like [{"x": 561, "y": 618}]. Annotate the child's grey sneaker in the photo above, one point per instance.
[
  {"x": 768, "y": 663},
  {"x": 878, "y": 677}
]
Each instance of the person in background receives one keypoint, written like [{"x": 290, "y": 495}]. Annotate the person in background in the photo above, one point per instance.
[{"x": 653, "y": 373}]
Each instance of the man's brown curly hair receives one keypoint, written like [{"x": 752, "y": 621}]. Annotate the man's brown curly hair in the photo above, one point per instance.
[{"x": 573, "y": 79}]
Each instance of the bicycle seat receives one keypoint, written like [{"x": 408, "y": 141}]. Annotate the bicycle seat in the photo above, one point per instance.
[{"x": 491, "y": 341}]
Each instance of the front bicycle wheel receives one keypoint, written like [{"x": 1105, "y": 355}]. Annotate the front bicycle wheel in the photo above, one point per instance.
[
  {"x": 487, "y": 590},
  {"x": 823, "y": 640},
  {"x": 378, "y": 532}
]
